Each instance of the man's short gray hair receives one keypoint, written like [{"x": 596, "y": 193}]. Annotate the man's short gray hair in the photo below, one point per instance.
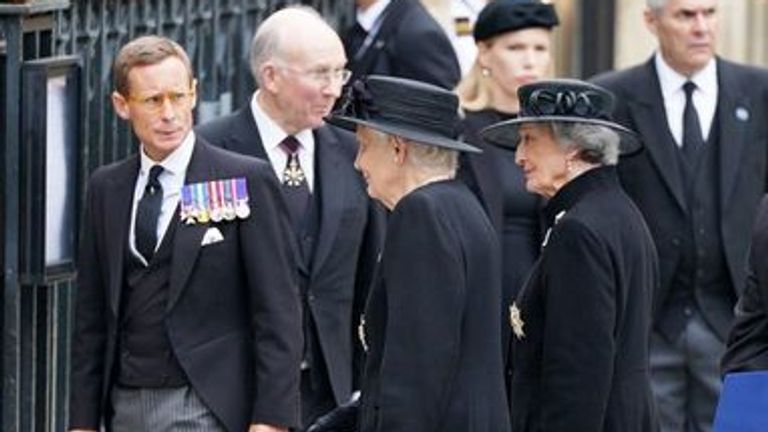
[
  {"x": 596, "y": 144},
  {"x": 265, "y": 44}
]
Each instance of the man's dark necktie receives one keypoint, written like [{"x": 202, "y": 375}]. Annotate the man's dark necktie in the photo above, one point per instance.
[
  {"x": 693, "y": 140},
  {"x": 147, "y": 213},
  {"x": 295, "y": 188}
]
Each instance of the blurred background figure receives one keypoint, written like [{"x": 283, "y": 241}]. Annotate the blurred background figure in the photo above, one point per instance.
[
  {"x": 457, "y": 17},
  {"x": 400, "y": 38},
  {"x": 299, "y": 64},
  {"x": 514, "y": 48},
  {"x": 743, "y": 403},
  {"x": 581, "y": 324},
  {"x": 702, "y": 121}
]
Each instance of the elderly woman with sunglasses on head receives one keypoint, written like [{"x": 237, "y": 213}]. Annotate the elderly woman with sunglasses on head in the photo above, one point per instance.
[
  {"x": 581, "y": 322},
  {"x": 431, "y": 323}
]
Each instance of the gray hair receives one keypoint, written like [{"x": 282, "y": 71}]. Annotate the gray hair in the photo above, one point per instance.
[
  {"x": 656, "y": 6},
  {"x": 596, "y": 144},
  {"x": 266, "y": 43},
  {"x": 432, "y": 159}
]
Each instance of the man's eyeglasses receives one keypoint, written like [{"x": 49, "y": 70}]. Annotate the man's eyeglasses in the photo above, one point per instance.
[
  {"x": 156, "y": 102},
  {"x": 324, "y": 76}
]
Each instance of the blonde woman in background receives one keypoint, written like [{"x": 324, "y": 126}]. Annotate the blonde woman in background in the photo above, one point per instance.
[{"x": 514, "y": 48}]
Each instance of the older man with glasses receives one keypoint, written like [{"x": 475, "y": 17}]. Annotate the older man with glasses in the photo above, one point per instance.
[{"x": 299, "y": 65}]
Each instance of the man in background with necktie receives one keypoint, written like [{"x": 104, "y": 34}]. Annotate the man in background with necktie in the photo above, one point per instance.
[
  {"x": 698, "y": 182},
  {"x": 299, "y": 64},
  {"x": 187, "y": 312}
]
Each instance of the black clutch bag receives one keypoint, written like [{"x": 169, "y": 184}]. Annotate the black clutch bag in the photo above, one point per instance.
[{"x": 341, "y": 419}]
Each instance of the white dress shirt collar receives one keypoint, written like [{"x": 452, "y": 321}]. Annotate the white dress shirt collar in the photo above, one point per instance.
[
  {"x": 704, "y": 98},
  {"x": 176, "y": 162},
  {"x": 272, "y": 135},
  {"x": 367, "y": 18},
  {"x": 672, "y": 81}
]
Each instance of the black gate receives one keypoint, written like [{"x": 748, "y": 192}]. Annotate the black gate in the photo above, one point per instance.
[{"x": 36, "y": 312}]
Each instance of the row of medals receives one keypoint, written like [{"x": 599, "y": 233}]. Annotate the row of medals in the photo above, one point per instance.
[{"x": 216, "y": 201}]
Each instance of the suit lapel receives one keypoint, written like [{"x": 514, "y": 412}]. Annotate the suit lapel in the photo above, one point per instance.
[
  {"x": 117, "y": 217},
  {"x": 333, "y": 188},
  {"x": 248, "y": 141},
  {"x": 650, "y": 119},
  {"x": 245, "y": 135},
  {"x": 733, "y": 109},
  {"x": 186, "y": 242}
]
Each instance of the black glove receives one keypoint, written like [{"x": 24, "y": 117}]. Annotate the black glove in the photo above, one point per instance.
[{"x": 341, "y": 419}]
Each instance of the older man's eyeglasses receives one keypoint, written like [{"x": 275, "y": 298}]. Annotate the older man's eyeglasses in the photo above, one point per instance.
[
  {"x": 156, "y": 102},
  {"x": 324, "y": 76}
]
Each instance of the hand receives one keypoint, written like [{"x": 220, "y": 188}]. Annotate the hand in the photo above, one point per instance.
[{"x": 265, "y": 428}]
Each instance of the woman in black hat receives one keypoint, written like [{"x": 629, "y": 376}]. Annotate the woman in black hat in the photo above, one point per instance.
[
  {"x": 431, "y": 326},
  {"x": 581, "y": 323},
  {"x": 514, "y": 48}
]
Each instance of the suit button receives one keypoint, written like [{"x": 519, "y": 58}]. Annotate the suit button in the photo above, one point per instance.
[
  {"x": 675, "y": 241},
  {"x": 688, "y": 311},
  {"x": 311, "y": 297}
]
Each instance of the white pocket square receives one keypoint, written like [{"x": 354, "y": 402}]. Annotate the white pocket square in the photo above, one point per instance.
[{"x": 213, "y": 235}]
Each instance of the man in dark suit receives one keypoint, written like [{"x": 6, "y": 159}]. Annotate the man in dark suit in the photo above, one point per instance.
[
  {"x": 187, "y": 313},
  {"x": 298, "y": 62},
  {"x": 698, "y": 184},
  {"x": 400, "y": 38}
]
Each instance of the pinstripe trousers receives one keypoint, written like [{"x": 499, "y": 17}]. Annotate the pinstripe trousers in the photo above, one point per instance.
[{"x": 161, "y": 410}]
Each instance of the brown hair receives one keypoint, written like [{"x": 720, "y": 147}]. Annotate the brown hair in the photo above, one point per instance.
[{"x": 145, "y": 51}]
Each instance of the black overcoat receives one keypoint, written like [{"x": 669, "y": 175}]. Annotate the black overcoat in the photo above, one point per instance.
[
  {"x": 434, "y": 360},
  {"x": 581, "y": 324}
]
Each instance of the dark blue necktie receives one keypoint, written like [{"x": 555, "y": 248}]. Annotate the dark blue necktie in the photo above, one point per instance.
[
  {"x": 693, "y": 141},
  {"x": 147, "y": 214},
  {"x": 295, "y": 188}
]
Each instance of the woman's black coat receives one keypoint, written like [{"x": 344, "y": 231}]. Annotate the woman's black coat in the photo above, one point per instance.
[
  {"x": 582, "y": 322},
  {"x": 434, "y": 359}
]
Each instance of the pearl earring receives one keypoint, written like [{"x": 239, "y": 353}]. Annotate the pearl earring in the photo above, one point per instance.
[{"x": 485, "y": 72}]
